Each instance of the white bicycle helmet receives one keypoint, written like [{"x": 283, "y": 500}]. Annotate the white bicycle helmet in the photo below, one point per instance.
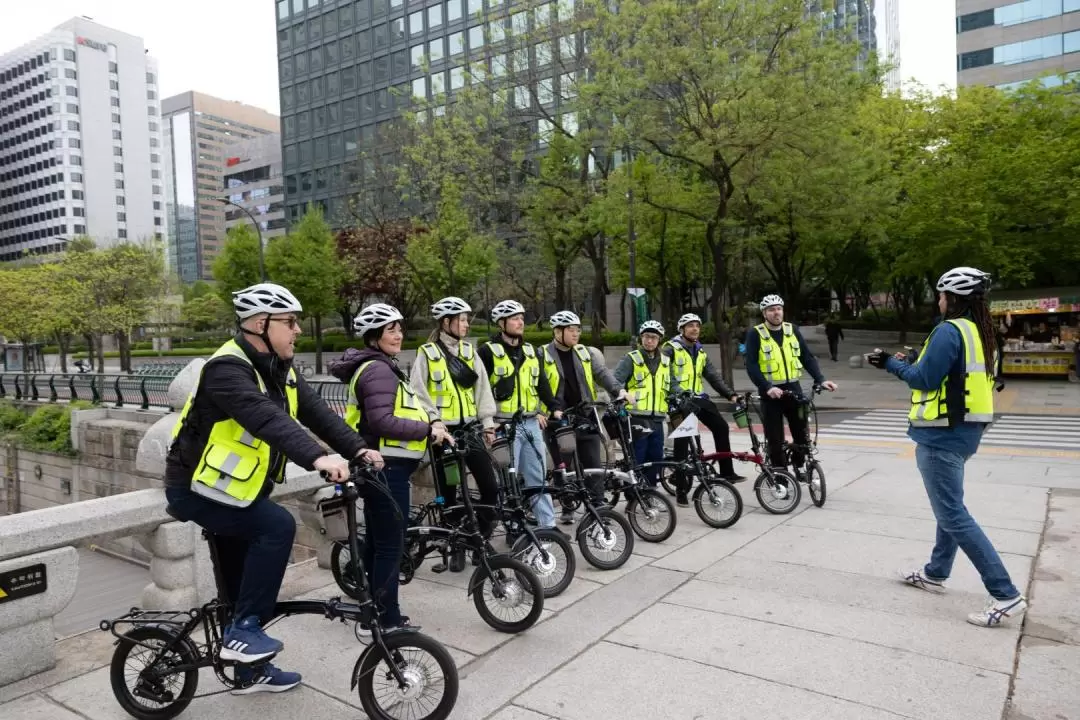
[
  {"x": 564, "y": 318},
  {"x": 505, "y": 309},
  {"x": 771, "y": 301},
  {"x": 964, "y": 281},
  {"x": 264, "y": 298},
  {"x": 652, "y": 326},
  {"x": 686, "y": 320},
  {"x": 376, "y": 316},
  {"x": 449, "y": 307}
]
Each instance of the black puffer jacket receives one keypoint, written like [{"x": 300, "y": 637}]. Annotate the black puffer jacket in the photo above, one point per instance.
[
  {"x": 376, "y": 391},
  {"x": 229, "y": 389}
]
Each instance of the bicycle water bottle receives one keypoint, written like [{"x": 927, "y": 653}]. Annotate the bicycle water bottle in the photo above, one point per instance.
[{"x": 440, "y": 500}]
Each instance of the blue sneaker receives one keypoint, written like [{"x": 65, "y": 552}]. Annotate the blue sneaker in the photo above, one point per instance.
[
  {"x": 265, "y": 678},
  {"x": 246, "y": 642}
]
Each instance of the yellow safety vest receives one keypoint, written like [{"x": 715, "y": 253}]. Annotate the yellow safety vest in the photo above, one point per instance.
[
  {"x": 648, "y": 391},
  {"x": 234, "y": 464},
  {"x": 930, "y": 408},
  {"x": 688, "y": 371},
  {"x": 553, "y": 371},
  {"x": 456, "y": 405},
  {"x": 779, "y": 363},
  {"x": 406, "y": 407},
  {"x": 526, "y": 395}
]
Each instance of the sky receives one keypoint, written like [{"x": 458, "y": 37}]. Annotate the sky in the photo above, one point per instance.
[{"x": 228, "y": 48}]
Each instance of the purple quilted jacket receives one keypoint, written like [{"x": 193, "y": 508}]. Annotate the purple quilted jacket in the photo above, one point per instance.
[{"x": 376, "y": 390}]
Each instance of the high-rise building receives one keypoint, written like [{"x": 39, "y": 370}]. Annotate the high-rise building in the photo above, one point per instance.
[
  {"x": 1007, "y": 43},
  {"x": 347, "y": 69},
  {"x": 253, "y": 180},
  {"x": 887, "y": 14},
  {"x": 198, "y": 130},
  {"x": 80, "y": 141}
]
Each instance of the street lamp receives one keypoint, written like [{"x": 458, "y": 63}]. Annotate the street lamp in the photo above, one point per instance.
[{"x": 258, "y": 229}]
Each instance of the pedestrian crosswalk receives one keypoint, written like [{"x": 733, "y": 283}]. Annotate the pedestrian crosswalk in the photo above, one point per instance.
[{"x": 1026, "y": 431}]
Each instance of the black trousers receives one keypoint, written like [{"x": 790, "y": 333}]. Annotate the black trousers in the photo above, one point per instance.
[
  {"x": 711, "y": 418},
  {"x": 774, "y": 412},
  {"x": 590, "y": 454},
  {"x": 834, "y": 347},
  {"x": 483, "y": 475}
]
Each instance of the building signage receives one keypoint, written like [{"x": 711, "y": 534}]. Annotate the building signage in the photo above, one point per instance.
[
  {"x": 92, "y": 43},
  {"x": 24, "y": 582}
]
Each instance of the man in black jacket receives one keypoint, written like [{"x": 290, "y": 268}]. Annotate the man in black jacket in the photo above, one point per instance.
[{"x": 239, "y": 428}]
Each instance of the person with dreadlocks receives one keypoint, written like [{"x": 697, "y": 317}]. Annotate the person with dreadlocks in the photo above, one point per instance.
[{"x": 952, "y": 403}]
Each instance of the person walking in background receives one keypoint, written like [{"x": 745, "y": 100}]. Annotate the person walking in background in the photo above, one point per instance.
[
  {"x": 835, "y": 334},
  {"x": 952, "y": 403}
]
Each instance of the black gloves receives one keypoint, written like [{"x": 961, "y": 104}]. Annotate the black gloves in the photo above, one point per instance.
[{"x": 877, "y": 358}]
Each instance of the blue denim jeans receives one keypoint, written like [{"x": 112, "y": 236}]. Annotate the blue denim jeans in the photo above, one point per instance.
[
  {"x": 943, "y": 476},
  {"x": 386, "y": 536},
  {"x": 529, "y": 459},
  {"x": 650, "y": 447}
]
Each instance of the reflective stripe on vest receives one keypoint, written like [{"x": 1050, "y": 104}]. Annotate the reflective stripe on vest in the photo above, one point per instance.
[
  {"x": 456, "y": 404},
  {"x": 648, "y": 390},
  {"x": 553, "y": 370},
  {"x": 930, "y": 408},
  {"x": 779, "y": 363},
  {"x": 234, "y": 463},
  {"x": 688, "y": 370},
  {"x": 406, "y": 407},
  {"x": 526, "y": 396}
]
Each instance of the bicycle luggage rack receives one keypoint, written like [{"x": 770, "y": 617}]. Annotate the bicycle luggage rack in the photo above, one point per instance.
[{"x": 135, "y": 617}]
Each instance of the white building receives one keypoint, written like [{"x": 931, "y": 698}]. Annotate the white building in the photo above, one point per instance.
[
  {"x": 888, "y": 28},
  {"x": 80, "y": 140}
]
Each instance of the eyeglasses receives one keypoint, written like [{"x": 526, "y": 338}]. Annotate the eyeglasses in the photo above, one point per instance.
[{"x": 291, "y": 322}]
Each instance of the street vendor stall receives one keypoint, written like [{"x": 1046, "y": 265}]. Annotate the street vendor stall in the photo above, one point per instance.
[{"x": 1039, "y": 330}]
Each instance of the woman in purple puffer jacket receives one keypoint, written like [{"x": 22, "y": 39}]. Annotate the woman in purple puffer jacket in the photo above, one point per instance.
[{"x": 382, "y": 408}]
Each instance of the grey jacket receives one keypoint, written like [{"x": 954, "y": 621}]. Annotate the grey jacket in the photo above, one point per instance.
[
  {"x": 600, "y": 373},
  {"x": 485, "y": 401}
]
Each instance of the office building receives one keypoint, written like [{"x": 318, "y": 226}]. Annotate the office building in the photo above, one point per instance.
[
  {"x": 1006, "y": 44},
  {"x": 198, "y": 130},
  {"x": 253, "y": 180},
  {"x": 347, "y": 69},
  {"x": 856, "y": 17},
  {"x": 887, "y": 17},
  {"x": 80, "y": 141}
]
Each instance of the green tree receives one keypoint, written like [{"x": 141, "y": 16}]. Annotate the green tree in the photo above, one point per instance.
[
  {"x": 306, "y": 262},
  {"x": 713, "y": 84},
  {"x": 207, "y": 312},
  {"x": 237, "y": 265}
]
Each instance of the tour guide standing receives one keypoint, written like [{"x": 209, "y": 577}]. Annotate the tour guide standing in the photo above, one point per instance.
[
  {"x": 384, "y": 410},
  {"x": 691, "y": 366},
  {"x": 952, "y": 403},
  {"x": 646, "y": 374},
  {"x": 775, "y": 357},
  {"x": 239, "y": 426},
  {"x": 518, "y": 384},
  {"x": 573, "y": 370}
]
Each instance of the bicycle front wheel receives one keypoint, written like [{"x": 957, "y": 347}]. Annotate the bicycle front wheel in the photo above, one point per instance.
[
  {"x": 431, "y": 679},
  {"x": 815, "y": 483}
]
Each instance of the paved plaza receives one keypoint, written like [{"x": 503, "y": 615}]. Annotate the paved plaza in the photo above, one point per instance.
[{"x": 796, "y": 616}]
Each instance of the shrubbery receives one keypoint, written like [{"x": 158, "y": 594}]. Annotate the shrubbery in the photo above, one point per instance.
[{"x": 48, "y": 428}]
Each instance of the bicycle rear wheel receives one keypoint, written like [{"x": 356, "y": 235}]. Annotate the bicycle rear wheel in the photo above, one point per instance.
[
  {"x": 780, "y": 494},
  {"x": 151, "y": 695}
]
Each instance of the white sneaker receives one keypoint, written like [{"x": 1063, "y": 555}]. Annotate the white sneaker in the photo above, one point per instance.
[
  {"x": 915, "y": 578},
  {"x": 997, "y": 612}
]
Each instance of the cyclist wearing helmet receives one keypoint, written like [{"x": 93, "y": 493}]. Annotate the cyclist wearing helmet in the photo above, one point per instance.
[
  {"x": 775, "y": 357},
  {"x": 383, "y": 409},
  {"x": 690, "y": 367},
  {"x": 952, "y": 404},
  {"x": 573, "y": 370},
  {"x": 646, "y": 375},
  {"x": 446, "y": 378},
  {"x": 517, "y": 383},
  {"x": 239, "y": 427}
]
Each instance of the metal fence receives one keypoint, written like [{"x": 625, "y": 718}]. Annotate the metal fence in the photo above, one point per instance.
[{"x": 142, "y": 391}]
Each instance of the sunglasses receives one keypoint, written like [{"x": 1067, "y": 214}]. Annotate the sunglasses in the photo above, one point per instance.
[{"x": 291, "y": 322}]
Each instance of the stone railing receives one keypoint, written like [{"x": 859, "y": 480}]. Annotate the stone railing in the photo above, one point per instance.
[{"x": 180, "y": 570}]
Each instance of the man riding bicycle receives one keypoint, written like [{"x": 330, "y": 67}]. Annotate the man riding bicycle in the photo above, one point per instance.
[
  {"x": 775, "y": 357},
  {"x": 239, "y": 427}
]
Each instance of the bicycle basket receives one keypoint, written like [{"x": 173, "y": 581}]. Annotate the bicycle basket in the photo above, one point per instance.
[
  {"x": 566, "y": 441},
  {"x": 500, "y": 452}
]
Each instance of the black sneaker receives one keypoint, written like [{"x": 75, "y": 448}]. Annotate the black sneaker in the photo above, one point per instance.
[
  {"x": 681, "y": 500},
  {"x": 567, "y": 517},
  {"x": 734, "y": 477},
  {"x": 457, "y": 561}
]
